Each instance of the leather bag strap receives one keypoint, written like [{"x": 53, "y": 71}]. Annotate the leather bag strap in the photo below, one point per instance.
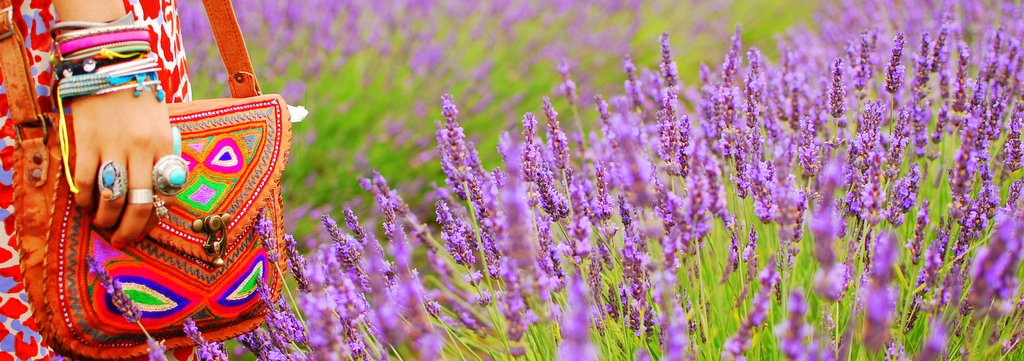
[
  {"x": 14, "y": 62},
  {"x": 21, "y": 94},
  {"x": 241, "y": 78}
]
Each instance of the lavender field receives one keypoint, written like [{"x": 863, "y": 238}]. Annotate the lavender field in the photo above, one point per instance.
[{"x": 631, "y": 180}]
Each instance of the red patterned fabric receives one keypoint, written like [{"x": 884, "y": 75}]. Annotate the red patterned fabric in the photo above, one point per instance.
[{"x": 19, "y": 339}]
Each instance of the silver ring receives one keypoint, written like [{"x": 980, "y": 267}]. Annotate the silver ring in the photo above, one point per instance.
[
  {"x": 112, "y": 182},
  {"x": 160, "y": 207},
  {"x": 170, "y": 174},
  {"x": 140, "y": 196}
]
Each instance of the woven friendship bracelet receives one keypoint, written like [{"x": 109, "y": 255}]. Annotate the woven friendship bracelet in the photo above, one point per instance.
[{"x": 89, "y": 84}]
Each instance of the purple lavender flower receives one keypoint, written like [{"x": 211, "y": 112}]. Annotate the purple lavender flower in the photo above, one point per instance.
[
  {"x": 860, "y": 57},
  {"x": 1013, "y": 147},
  {"x": 296, "y": 263},
  {"x": 633, "y": 84},
  {"x": 669, "y": 72},
  {"x": 556, "y": 137},
  {"x": 935, "y": 346},
  {"x": 118, "y": 298},
  {"x": 568, "y": 86},
  {"x": 211, "y": 351},
  {"x": 156, "y": 350},
  {"x": 268, "y": 238},
  {"x": 995, "y": 267},
  {"x": 809, "y": 149},
  {"x": 458, "y": 236},
  {"x": 669, "y": 133},
  {"x": 736, "y": 345},
  {"x": 903, "y": 197},
  {"x": 922, "y": 69},
  {"x": 793, "y": 333},
  {"x": 895, "y": 74},
  {"x": 285, "y": 329},
  {"x": 451, "y": 145},
  {"x": 258, "y": 342},
  {"x": 877, "y": 296},
  {"x": 734, "y": 255},
  {"x": 575, "y": 325},
  {"x": 837, "y": 92},
  {"x": 960, "y": 88}
]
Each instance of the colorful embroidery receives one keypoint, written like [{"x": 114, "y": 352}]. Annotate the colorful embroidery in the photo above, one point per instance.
[
  {"x": 18, "y": 337},
  {"x": 245, "y": 287}
]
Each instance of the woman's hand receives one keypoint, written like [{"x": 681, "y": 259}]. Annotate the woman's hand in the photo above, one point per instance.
[{"x": 131, "y": 131}]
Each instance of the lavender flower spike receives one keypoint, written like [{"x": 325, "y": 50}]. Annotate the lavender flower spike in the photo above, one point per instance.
[
  {"x": 877, "y": 297},
  {"x": 575, "y": 324},
  {"x": 896, "y": 73},
  {"x": 156, "y": 350},
  {"x": 736, "y": 345},
  {"x": 208, "y": 351},
  {"x": 121, "y": 301},
  {"x": 793, "y": 333}
]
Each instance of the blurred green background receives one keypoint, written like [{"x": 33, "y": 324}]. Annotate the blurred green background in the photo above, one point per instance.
[{"x": 372, "y": 75}]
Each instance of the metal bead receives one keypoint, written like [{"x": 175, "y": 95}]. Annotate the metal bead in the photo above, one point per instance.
[
  {"x": 37, "y": 158},
  {"x": 36, "y": 174},
  {"x": 198, "y": 225}
]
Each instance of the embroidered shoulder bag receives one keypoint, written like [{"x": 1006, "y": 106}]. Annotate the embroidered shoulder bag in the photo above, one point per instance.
[{"x": 204, "y": 261}]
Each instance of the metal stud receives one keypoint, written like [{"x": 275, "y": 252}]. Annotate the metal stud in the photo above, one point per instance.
[{"x": 89, "y": 65}]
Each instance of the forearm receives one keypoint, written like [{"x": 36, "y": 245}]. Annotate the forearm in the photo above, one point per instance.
[{"x": 89, "y": 10}]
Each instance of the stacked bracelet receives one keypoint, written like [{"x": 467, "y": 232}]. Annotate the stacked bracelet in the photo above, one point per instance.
[{"x": 100, "y": 58}]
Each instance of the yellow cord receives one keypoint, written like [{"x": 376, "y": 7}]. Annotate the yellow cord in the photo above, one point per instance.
[
  {"x": 65, "y": 149},
  {"x": 110, "y": 54}
]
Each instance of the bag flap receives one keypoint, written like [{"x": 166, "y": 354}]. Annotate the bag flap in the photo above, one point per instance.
[{"x": 236, "y": 149}]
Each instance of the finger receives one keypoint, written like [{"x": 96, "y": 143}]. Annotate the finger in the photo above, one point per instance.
[
  {"x": 151, "y": 223},
  {"x": 139, "y": 209},
  {"x": 86, "y": 168},
  {"x": 109, "y": 210}
]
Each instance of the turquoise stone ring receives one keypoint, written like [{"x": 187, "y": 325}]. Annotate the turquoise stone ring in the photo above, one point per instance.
[
  {"x": 112, "y": 183},
  {"x": 170, "y": 174}
]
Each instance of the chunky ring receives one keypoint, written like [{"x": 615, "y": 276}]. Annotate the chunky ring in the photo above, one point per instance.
[
  {"x": 160, "y": 207},
  {"x": 140, "y": 196},
  {"x": 169, "y": 175},
  {"x": 112, "y": 182}
]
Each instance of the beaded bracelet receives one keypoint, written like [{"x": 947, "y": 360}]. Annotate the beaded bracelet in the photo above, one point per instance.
[{"x": 90, "y": 84}]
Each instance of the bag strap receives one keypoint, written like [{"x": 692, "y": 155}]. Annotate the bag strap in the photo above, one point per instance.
[
  {"x": 21, "y": 94},
  {"x": 241, "y": 78}
]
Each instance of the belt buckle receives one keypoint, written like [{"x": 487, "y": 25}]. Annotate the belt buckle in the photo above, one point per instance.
[{"x": 7, "y": 14}]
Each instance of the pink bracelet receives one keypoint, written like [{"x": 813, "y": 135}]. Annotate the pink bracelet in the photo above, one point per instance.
[{"x": 72, "y": 46}]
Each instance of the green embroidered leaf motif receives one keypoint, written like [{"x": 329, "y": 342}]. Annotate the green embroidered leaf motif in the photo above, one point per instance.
[
  {"x": 148, "y": 299},
  {"x": 249, "y": 285}
]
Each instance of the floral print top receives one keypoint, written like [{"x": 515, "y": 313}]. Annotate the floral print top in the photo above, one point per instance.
[{"x": 19, "y": 339}]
